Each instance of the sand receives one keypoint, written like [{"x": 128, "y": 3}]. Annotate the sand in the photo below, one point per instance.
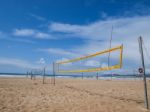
[{"x": 71, "y": 95}]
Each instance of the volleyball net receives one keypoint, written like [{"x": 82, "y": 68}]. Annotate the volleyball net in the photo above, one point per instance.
[{"x": 92, "y": 63}]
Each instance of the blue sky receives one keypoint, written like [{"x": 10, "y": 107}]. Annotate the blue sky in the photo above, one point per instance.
[{"x": 34, "y": 33}]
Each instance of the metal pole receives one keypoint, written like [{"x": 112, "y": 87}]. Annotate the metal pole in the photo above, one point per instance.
[
  {"x": 27, "y": 74},
  {"x": 43, "y": 75},
  {"x": 97, "y": 76},
  {"x": 31, "y": 75},
  {"x": 34, "y": 75},
  {"x": 144, "y": 76},
  {"x": 54, "y": 72},
  {"x": 82, "y": 75},
  {"x": 110, "y": 48}
]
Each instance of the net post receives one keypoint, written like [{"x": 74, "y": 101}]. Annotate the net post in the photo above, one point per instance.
[
  {"x": 27, "y": 74},
  {"x": 34, "y": 74},
  {"x": 121, "y": 55},
  {"x": 31, "y": 75},
  {"x": 144, "y": 75},
  {"x": 54, "y": 72},
  {"x": 82, "y": 75},
  {"x": 44, "y": 75},
  {"x": 97, "y": 75}
]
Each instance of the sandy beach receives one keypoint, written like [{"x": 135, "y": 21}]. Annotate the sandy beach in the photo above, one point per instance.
[{"x": 71, "y": 95}]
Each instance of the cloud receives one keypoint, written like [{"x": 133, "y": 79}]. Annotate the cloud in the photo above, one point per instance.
[
  {"x": 17, "y": 63},
  {"x": 123, "y": 27},
  {"x": 40, "y": 18},
  {"x": 41, "y": 61},
  {"x": 8, "y": 37},
  {"x": 32, "y": 33},
  {"x": 59, "y": 51},
  {"x": 64, "y": 59},
  {"x": 104, "y": 65},
  {"x": 23, "y": 65},
  {"x": 3, "y": 36},
  {"x": 139, "y": 8},
  {"x": 21, "y": 40},
  {"x": 97, "y": 35},
  {"x": 92, "y": 63},
  {"x": 23, "y": 32},
  {"x": 41, "y": 35},
  {"x": 66, "y": 28},
  {"x": 103, "y": 14}
]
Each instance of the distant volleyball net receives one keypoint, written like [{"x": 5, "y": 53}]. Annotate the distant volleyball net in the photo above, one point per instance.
[{"x": 93, "y": 62}]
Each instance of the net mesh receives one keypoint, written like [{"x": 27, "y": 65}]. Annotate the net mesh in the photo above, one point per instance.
[{"x": 93, "y": 62}]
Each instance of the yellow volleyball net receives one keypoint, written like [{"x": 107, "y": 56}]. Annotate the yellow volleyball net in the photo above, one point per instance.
[{"x": 76, "y": 65}]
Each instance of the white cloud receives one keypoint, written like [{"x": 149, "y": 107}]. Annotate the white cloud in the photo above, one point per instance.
[
  {"x": 104, "y": 65},
  {"x": 59, "y": 51},
  {"x": 41, "y": 61},
  {"x": 24, "y": 32},
  {"x": 93, "y": 63},
  {"x": 2, "y": 35},
  {"x": 64, "y": 59},
  {"x": 103, "y": 14},
  {"x": 32, "y": 33},
  {"x": 100, "y": 30},
  {"x": 41, "y": 35},
  {"x": 126, "y": 31},
  {"x": 40, "y": 18},
  {"x": 19, "y": 63},
  {"x": 65, "y": 28},
  {"x": 24, "y": 64}
]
